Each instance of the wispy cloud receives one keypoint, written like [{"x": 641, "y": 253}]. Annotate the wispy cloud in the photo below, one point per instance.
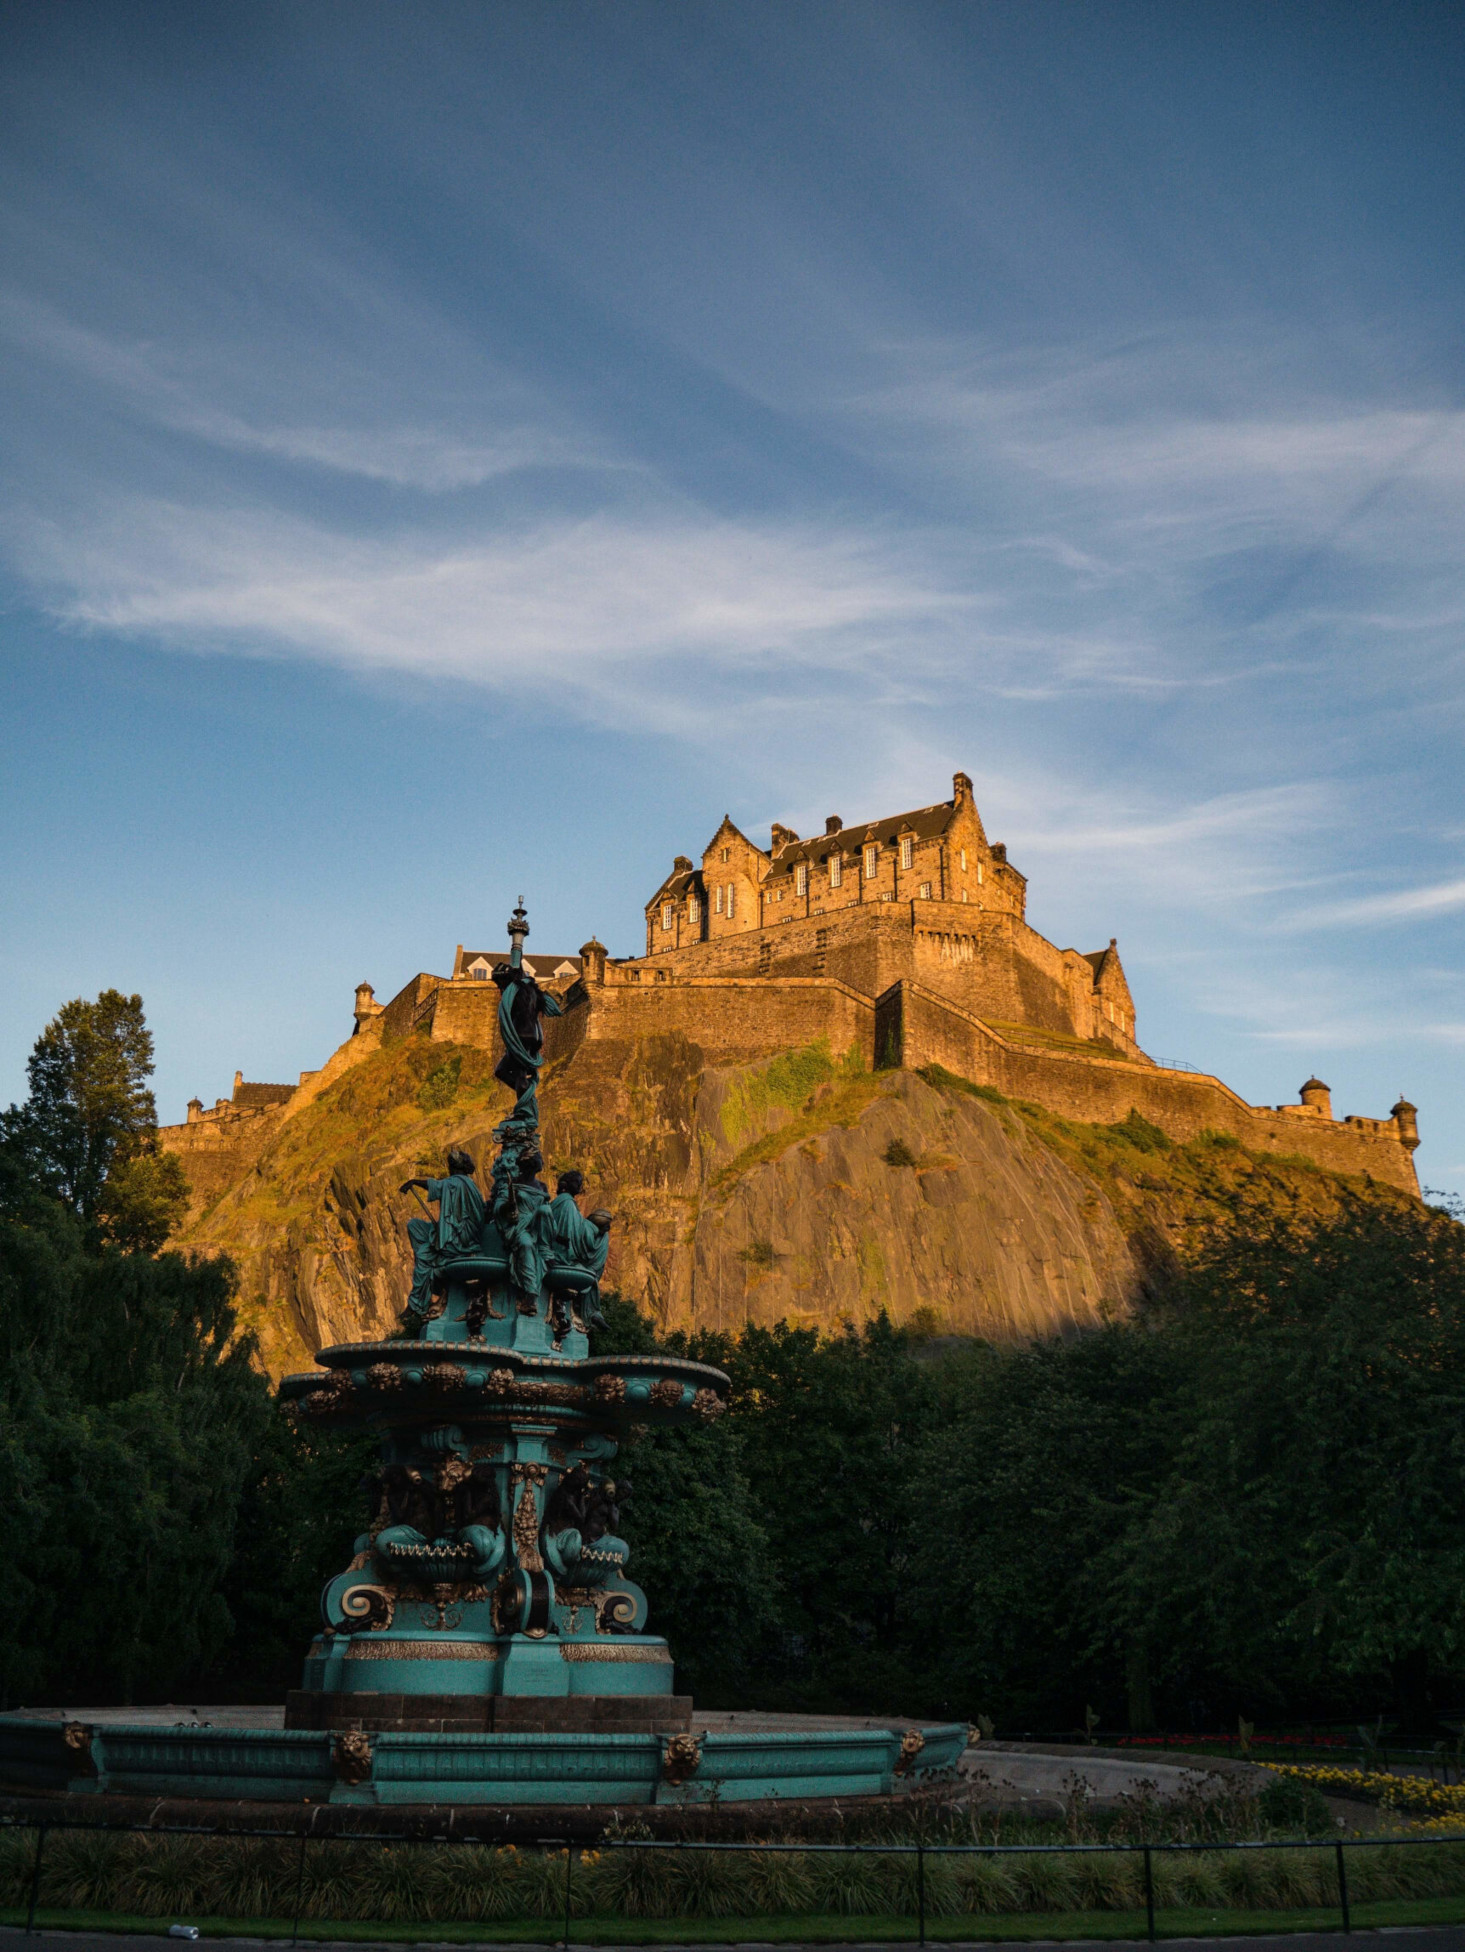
[
  {"x": 186, "y": 393},
  {"x": 1403, "y": 904},
  {"x": 524, "y": 611}
]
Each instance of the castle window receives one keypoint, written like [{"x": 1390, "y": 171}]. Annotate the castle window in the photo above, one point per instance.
[
  {"x": 666, "y": 914},
  {"x": 963, "y": 864},
  {"x": 724, "y": 855},
  {"x": 694, "y": 910},
  {"x": 925, "y": 891},
  {"x": 801, "y": 878},
  {"x": 836, "y": 870},
  {"x": 719, "y": 897},
  {"x": 907, "y": 850},
  {"x": 872, "y": 857},
  {"x": 979, "y": 874},
  {"x": 731, "y": 895}
]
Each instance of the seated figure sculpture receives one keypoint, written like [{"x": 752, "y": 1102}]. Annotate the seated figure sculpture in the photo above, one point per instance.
[
  {"x": 582, "y": 1539},
  {"x": 457, "y": 1508},
  {"x": 576, "y": 1242},
  {"x": 454, "y": 1233},
  {"x": 519, "y": 1200}
]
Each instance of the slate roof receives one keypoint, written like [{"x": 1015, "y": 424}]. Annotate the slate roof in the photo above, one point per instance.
[
  {"x": 926, "y": 823},
  {"x": 544, "y": 969}
]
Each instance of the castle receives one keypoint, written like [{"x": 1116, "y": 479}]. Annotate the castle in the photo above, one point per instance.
[{"x": 900, "y": 941}]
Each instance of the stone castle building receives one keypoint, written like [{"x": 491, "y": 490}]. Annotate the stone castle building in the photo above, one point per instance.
[
  {"x": 901, "y": 941},
  {"x": 923, "y": 896}
]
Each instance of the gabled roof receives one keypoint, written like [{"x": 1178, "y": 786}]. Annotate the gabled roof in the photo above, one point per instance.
[
  {"x": 680, "y": 882},
  {"x": 544, "y": 969},
  {"x": 926, "y": 823}
]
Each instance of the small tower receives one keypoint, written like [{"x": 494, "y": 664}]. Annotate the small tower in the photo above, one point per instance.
[
  {"x": 367, "y": 1006},
  {"x": 195, "y": 1110},
  {"x": 592, "y": 961},
  {"x": 1406, "y": 1117},
  {"x": 1317, "y": 1097}
]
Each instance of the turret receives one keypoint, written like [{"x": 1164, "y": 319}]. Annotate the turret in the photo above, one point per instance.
[
  {"x": 367, "y": 1006},
  {"x": 592, "y": 961},
  {"x": 1317, "y": 1097},
  {"x": 1406, "y": 1118},
  {"x": 195, "y": 1110}
]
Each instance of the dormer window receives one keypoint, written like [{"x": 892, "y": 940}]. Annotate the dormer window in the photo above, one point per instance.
[
  {"x": 667, "y": 911},
  {"x": 801, "y": 878},
  {"x": 907, "y": 851},
  {"x": 836, "y": 870},
  {"x": 872, "y": 861}
]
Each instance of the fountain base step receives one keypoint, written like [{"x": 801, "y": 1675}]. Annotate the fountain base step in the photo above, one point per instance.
[{"x": 468, "y": 1714}]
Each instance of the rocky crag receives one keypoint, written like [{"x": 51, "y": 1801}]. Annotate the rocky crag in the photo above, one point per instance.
[{"x": 802, "y": 1187}]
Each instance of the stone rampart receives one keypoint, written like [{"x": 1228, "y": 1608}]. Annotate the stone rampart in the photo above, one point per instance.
[{"x": 930, "y": 1029}]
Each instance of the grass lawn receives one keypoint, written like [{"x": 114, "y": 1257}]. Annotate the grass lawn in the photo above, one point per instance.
[{"x": 821, "y": 1930}]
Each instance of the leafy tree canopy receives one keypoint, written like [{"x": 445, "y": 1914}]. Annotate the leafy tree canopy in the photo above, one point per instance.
[{"x": 87, "y": 1133}]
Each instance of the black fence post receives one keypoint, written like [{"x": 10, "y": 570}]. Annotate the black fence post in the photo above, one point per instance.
[
  {"x": 569, "y": 1873},
  {"x": 30, "y": 1916},
  {"x": 1149, "y": 1896},
  {"x": 299, "y": 1889},
  {"x": 921, "y": 1889},
  {"x": 1342, "y": 1886}
]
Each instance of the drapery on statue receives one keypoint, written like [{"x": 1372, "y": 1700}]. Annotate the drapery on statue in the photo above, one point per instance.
[
  {"x": 454, "y": 1233},
  {"x": 575, "y": 1240},
  {"x": 522, "y": 1007},
  {"x": 520, "y": 1198}
]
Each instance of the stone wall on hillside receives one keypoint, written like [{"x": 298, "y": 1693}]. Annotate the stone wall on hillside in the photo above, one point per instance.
[{"x": 1097, "y": 1090}]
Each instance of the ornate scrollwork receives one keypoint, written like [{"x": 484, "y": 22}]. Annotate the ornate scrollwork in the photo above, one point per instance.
[
  {"x": 708, "y": 1405},
  {"x": 351, "y": 1755},
  {"x": 442, "y": 1375},
  {"x": 370, "y": 1607},
  {"x": 668, "y": 1392},
  {"x": 501, "y": 1381},
  {"x": 610, "y": 1389},
  {"x": 681, "y": 1758},
  {"x": 385, "y": 1375},
  {"x": 911, "y": 1744}
]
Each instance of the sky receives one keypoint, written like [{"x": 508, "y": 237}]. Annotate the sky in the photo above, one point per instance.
[{"x": 459, "y": 451}]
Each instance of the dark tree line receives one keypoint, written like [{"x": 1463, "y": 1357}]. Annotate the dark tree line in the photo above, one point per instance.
[{"x": 1249, "y": 1500}]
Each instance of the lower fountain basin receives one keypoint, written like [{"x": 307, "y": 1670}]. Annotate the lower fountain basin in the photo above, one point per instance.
[{"x": 127, "y": 1752}]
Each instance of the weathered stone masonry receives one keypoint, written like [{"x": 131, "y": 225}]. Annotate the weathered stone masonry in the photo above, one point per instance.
[{"x": 902, "y": 940}]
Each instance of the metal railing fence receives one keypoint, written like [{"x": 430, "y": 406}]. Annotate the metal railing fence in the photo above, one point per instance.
[{"x": 922, "y": 1851}]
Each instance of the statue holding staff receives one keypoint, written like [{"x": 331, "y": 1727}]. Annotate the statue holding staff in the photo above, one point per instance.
[{"x": 453, "y": 1234}]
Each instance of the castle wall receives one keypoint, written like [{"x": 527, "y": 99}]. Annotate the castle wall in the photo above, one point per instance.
[
  {"x": 989, "y": 961},
  {"x": 1104, "y": 1090},
  {"x": 218, "y": 1147},
  {"x": 735, "y": 1020}
]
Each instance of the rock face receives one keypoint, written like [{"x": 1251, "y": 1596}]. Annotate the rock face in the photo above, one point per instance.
[{"x": 804, "y": 1188}]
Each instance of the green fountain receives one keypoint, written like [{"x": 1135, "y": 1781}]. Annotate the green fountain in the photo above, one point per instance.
[{"x": 485, "y": 1645}]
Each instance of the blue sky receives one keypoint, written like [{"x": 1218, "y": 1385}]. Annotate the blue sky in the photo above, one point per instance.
[{"x": 459, "y": 450}]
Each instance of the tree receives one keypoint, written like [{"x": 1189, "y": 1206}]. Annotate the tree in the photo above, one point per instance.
[{"x": 88, "y": 1132}]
